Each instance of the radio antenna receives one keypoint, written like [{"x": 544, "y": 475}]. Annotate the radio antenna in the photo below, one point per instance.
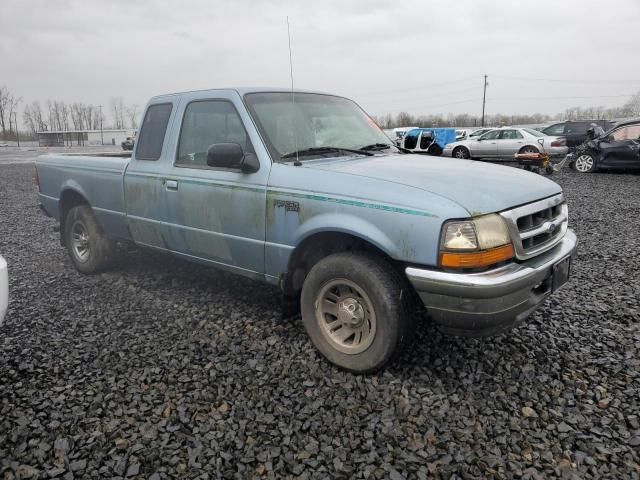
[{"x": 293, "y": 98}]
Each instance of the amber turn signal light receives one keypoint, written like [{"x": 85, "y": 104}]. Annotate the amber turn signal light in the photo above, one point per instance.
[{"x": 480, "y": 259}]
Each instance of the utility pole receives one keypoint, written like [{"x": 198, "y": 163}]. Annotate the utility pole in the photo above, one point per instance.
[
  {"x": 101, "y": 136},
  {"x": 15, "y": 117},
  {"x": 484, "y": 98}
]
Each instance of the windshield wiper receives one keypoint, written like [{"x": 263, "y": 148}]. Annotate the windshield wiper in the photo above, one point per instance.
[
  {"x": 320, "y": 150},
  {"x": 383, "y": 146},
  {"x": 376, "y": 146}
]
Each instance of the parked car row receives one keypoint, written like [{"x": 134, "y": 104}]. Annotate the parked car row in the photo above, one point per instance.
[{"x": 618, "y": 147}]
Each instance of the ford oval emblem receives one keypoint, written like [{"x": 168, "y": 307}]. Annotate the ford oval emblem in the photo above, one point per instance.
[{"x": 551, "y": 228}]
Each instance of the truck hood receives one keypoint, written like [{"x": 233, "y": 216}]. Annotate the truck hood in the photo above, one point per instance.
[{"x": 478, "y": 187}]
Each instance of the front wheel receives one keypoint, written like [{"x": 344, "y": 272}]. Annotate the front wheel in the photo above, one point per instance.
[
  {"x": 90, "y": 249},
  {"x": 585, "y": 163},
  {"x": 358, "y": 311},
  {"x": 461, "y": 152}
]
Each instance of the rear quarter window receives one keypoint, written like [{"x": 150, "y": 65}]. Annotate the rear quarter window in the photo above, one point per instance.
[
  {"x": 577, "y": 128},
  {"x": 557, "y": 129},
  {"x": 152, "y": 132}
]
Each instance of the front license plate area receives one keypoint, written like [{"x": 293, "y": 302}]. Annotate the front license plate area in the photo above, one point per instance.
[{"x": 561, "y": 272}]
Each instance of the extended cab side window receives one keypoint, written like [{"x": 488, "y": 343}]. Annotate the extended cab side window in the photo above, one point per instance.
[
  {"x": 153, "y": 131},
  {"x": 205, "y": 123}
]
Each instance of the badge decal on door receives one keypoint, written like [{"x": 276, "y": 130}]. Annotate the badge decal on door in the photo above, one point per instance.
[{"x": 288, "y": 205}]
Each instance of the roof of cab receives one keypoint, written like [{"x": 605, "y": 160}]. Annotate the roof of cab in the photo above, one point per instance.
[{"x": 240, "y": 90}]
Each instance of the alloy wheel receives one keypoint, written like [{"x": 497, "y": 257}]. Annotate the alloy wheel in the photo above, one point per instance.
[
  {"x": 80, "y": 239},
  {"x": 584, "y": 163},
  {"x": 346, "y": 316}
]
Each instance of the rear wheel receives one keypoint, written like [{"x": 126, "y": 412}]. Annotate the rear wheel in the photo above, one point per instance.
[
  {"x": 89, "y": 247},
  {"x": 461, "y": 152},
  {"x": 358, "y": 311},
  {"x": 529, "y": 149},
  {"x": 585, "y": 163}
]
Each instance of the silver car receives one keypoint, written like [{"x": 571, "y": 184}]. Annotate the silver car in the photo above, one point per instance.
[{"x": 503, "y": 143}]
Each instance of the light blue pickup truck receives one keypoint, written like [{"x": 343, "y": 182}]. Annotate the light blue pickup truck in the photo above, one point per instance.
[{"x": 304, "y": 191}]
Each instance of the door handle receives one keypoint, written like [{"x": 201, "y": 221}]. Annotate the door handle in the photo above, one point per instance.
[{"x": 171, "y": 185}]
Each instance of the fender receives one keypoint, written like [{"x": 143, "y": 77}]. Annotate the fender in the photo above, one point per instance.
[{"x": 350, "y": 224}]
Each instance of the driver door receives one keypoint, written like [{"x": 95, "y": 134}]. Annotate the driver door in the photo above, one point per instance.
[
  {"x": 509, "y": 143},
  {"x": 215, "y": 214},
  {"x": 486, "y": 145},
  {"x": 622, "y": 148}
]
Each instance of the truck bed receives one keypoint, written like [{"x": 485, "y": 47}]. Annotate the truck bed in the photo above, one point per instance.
[
  {"x": 98, "y": 178},
  {"x": 122, "y": 154}
]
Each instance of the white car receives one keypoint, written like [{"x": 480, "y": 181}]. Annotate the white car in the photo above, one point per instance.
[
  {"x": 503, "y": 143},
  {"x": 4, "y": 289}
]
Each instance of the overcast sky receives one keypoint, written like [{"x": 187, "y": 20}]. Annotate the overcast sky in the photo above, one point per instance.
[{"x": 418, "y": 56}]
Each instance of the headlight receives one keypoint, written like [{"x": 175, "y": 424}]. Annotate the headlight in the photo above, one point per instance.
[{"x": 475, "y": 243}]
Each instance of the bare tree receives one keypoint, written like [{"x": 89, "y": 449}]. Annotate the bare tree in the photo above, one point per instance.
[
  {"x": 13, "y": 110},
  {"x": 132, "y": 114},
  {"x": 78, "y": 118},
  {"x": 6, "y": 99},
  {"x": 98, "y": 119},
  {"x": 632, "y": 107},
  {"x": 87, "y": 117},
  {"x": 29, "y": 119},
  {"x": 404, "y": 119},
  {"x": 118, "y": 112}
]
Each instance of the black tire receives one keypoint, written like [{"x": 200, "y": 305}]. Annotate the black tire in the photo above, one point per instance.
[
  {"x": 388, "y": 295},
  {"x": 529, "y": 149},
  {"x": 98, "y": 248},
  {"x": 461, "y": 152},
  {"x": 582, "y": 164},
  {"x": 435, "y": 150}
]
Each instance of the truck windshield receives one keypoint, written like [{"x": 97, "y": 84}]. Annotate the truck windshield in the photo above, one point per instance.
[{"x": 312, "y": 125}]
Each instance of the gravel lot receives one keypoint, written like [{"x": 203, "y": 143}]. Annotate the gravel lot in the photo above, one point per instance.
[{"x": 163, "y": 369}]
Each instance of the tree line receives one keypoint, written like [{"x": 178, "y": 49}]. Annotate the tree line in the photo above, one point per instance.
[
  {"x": 55, "y": 115},
  {"x": 631, "y": 108}
]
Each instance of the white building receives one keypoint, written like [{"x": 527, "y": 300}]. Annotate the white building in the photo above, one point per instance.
[{"x": 83, "y": 137}]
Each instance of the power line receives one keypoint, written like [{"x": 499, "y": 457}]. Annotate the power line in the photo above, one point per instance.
[
  {"x": 562, "y": 97},
  {"x": 432, "y": 85},
  {"x": 440, "y": 95},
  {"x": 446, "y": 104},
  {"x": 564, "y": 80}
]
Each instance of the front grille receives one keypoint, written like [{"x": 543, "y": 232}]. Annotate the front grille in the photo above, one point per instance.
[{"x": 538, "y": 226}]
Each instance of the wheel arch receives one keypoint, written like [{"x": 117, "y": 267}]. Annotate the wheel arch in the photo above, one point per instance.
[
  {"x": 523, "y": 148},
  {"x": 69, "y": 198},
  {"x": 461, "y": 147},
  {"x": 320, "y": 244}
]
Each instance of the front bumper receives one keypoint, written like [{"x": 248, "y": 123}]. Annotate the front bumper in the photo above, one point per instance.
[
  {"x": 4, "y": 289},
  {"x": 487, "y": 303}
]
